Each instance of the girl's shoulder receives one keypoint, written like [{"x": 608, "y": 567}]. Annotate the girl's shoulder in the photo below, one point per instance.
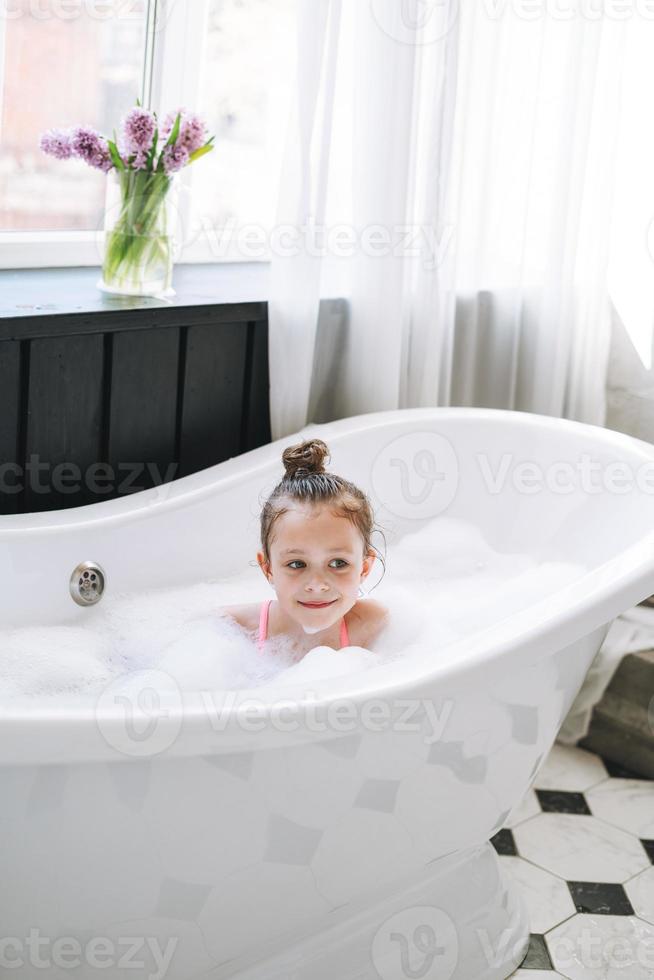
[
  {"x": 369, "y": 617},
  {"x": 371, "y": 610},
  {"x": 246, "y": 615}
]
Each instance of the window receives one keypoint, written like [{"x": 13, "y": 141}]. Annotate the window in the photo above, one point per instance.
[
  {"x": 231, "y": 60},
  {"x": 61, "y": 71},
  {"x": 246, "y": 82}
]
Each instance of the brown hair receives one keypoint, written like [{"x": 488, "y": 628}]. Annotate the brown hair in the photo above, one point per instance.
[{"x": 307, "y": 482}]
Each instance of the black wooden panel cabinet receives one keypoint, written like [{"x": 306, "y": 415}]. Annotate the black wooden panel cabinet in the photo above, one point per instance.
[{"x": 105, "y": 395}]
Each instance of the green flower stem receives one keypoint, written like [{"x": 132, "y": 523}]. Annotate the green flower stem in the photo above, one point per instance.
[{"x": 140, "y": 236}]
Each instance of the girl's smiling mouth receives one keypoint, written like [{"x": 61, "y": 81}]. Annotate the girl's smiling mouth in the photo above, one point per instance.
[{"x": 316, "y": 605}]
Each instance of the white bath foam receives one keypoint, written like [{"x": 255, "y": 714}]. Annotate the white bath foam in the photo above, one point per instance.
[
  {"x": 143, "y": 624},
  {"x": 455, "y": 583},
  {"x": 53, "y": 660},
  {"x": 216, "y": 654},
  {"x": 321, "y": 663},
  {"x": 442, "y": 583},
  {"x": 447, "y": 548},
  {"x": 411, "y": 620}
]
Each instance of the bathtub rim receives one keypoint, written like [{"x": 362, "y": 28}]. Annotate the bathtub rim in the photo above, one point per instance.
[{"x": 196, "y": 486}]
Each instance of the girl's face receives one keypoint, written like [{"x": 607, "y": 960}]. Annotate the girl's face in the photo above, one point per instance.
[{"x": 315, "y": 558}]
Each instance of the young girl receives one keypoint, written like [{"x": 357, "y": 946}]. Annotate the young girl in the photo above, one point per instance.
[{"x": 316, "y": 552}]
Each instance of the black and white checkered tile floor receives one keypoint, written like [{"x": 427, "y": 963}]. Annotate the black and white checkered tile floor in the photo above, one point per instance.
[{"x": 580, "y": 847}]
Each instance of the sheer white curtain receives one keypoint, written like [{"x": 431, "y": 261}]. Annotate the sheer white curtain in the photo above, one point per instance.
[{"x": 445, "y": 210}]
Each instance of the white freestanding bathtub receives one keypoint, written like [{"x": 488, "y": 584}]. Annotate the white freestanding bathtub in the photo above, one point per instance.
[{"x": 343, "y": 837}]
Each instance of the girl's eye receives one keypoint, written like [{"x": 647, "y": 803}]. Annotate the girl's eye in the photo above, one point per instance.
[{"x": 298, "y": 561}]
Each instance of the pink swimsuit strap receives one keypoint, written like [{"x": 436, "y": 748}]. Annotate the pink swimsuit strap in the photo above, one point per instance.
[
  {"x": 263, "y": 622},
  {"x": 263, "y": 626},
  {"x": 344, "y": 640}
]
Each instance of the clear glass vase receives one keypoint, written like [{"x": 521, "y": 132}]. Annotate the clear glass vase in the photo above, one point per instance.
[{"x": 139, "y": 233}]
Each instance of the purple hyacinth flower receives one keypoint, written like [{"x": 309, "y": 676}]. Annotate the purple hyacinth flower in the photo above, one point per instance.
[
  {"x": 56, "y": 143},
  {"x": 92, "y": 148},
  {"x": 138, "y": 130},
  {"x": 193, "y": 134},
  {"x": 174, "y": 158},
  {"x": 169, "y": 121},
  {"x": 140, "y": 160},
  {"x": 192, "y": 129}
]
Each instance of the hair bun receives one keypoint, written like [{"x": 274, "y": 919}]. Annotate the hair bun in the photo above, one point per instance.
[{"x": 305, "y": 458}]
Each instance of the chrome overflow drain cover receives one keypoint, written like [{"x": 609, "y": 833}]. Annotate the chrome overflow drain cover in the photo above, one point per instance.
[{"x": 87, "y": 583}]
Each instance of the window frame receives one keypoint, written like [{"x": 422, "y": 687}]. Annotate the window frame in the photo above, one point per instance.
[{"x": 171, "y": 77}]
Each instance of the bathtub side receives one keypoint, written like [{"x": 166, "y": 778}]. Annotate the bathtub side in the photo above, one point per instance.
[{"x": 232, "y": 855}]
